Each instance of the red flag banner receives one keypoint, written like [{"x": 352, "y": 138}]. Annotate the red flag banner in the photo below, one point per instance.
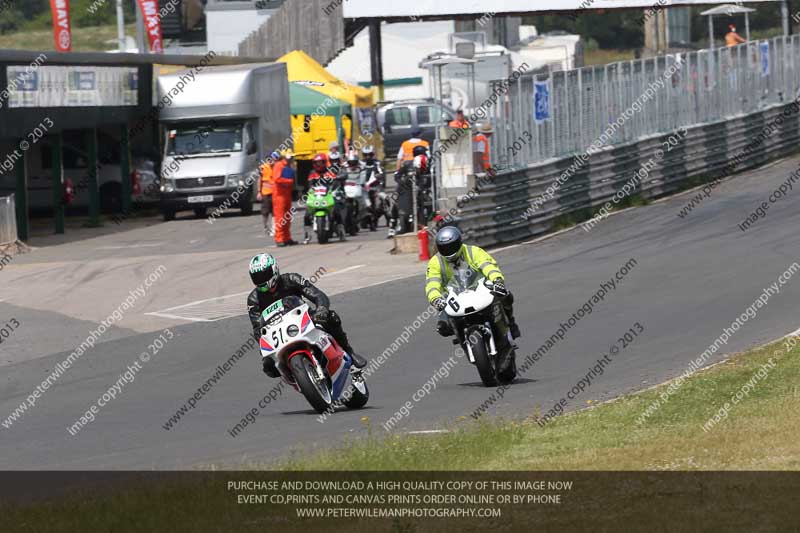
[
  {"x": 152, "y": 24},
  {"x": 62, "y": 32}
]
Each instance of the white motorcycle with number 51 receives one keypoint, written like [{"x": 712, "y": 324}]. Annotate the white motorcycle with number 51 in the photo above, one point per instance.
[{"x": 308, "y": 358}]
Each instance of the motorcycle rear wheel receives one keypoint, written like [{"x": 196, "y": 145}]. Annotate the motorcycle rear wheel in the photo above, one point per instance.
[
  {"x": 357, "y": 399},
  {"x": 318, "y": 394},
  {"x": 482, "y": 359},
  {"x": 509, "y": 374}
]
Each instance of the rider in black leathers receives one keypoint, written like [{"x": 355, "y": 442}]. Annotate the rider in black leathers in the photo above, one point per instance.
[{"x": 272, "y": 286}]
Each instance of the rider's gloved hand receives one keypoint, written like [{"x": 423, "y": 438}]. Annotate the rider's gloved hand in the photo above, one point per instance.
[
  {"x": 321, "y": 314},
  {"x": 439, "y": 303},
  {"x": 499, "y": 288},
  {"x": 444, "y": 328}
]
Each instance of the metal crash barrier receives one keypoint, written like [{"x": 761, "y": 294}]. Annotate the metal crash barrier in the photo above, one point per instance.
[{"x": 568, "y": 142}]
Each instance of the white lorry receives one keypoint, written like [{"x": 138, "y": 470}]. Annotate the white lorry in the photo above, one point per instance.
[{"x": 218, "y": 129}]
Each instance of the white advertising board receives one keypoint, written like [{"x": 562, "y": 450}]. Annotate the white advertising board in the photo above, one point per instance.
[{"x": 51, "y": 86}]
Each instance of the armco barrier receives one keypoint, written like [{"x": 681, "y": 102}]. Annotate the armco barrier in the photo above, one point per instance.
[
  {"x": 497, "y": 214},
  {"x": 8, "y": 220}
]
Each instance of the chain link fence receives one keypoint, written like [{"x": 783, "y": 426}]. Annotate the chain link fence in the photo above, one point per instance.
[
  {"x": 557, "y": 114},
  {"x": 8, "y": 220}
]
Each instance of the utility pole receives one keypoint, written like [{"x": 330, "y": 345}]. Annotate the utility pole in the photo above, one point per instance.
[{"x": 120, "y": 26}]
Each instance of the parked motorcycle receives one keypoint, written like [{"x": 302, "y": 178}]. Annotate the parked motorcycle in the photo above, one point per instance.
[
  {"x": 410, "y": 178},
  {"x": 482, "y": 327},
  {"x": 322, "y": 203},
  {"x": 308, "y": 358},
  {"x": 377, "y": 201},
  {"x": 356, "y": 207}
]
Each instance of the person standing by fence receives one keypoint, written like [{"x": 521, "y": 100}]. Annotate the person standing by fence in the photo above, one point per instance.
[
  {"x": 732, "y": 38},
  {"x": 481, "y": 147},
  {"x": 284, "y": 175}
]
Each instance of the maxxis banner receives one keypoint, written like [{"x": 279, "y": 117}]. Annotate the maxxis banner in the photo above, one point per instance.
[
  {"x": 62, "y": 30},
  {"x": 152, "y": 24}
]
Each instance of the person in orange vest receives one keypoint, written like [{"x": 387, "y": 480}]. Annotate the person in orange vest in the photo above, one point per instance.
[
  {"x": 284, "y": 175},
  {"x": 481, "y": 146},
  {"x": 732, "y": 38},
  {"x": 459, "y": 121},
  {"x": 266, "y": 186},
  {"x": 406, "y": 152}
]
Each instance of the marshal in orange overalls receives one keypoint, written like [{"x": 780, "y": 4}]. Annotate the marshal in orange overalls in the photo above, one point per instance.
[
  {"x": 283, "y": 174},
  {"x": 482, "y": 146},
  {"x": 265, "y": 188}
]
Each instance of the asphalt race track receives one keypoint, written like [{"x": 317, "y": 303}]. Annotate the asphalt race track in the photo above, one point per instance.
[{"x": 692, "y": 278}]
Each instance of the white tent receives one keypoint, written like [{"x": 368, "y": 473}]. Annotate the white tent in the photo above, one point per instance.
[{"x": 405, "y": 45}]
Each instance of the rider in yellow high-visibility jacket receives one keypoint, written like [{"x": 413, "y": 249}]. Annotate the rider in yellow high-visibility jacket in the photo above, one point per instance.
[{"x": 453, "y": 253}]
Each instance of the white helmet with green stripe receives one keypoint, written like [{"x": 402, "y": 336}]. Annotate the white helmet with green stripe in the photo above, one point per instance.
[{"x": 264, "y": 272}]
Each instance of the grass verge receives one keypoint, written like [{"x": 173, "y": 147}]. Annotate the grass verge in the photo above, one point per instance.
[{"x": 760, "y": 432}]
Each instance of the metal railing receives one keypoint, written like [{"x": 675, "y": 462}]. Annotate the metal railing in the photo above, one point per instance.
[
  {"x": 621, "y": 102},
  {"x": 8, "y": 220}
]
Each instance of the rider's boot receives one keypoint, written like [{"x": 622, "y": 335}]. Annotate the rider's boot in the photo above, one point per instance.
[
  {"x": 307, "y": 239},
  {"x": 338, "y": 334},
  {"x": 512, "y": 323},
  {"x": 358, "y": 360},
  {"x": 508, "y": 307}
]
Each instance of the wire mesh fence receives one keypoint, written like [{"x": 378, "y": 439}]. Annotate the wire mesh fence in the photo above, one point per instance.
[
  {"x": 557, "y": 114},
  {"x": 8, "y": 220}
]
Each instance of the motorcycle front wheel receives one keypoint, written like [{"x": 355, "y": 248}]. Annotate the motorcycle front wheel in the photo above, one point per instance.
[
  {"x": 482, "y": 359},
  {"x": 315, "y": 390},
  {"x": 322, "y": 231}
]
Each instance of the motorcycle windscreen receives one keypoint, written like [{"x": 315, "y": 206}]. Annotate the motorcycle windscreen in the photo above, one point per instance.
[
  {"x": 281, "y": 307},
  {"x": 464, "y": 278}
]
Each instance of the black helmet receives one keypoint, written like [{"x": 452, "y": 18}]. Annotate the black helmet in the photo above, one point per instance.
[
  {"x": 264, "y": 272},
  {"x": 448, "y": 242},
  {"x": 420, "y": 150}
]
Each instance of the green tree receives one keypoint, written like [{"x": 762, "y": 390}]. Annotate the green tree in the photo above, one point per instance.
[
  {"x": 36, "y": 13},
  {"x": 10, "y": 20}
]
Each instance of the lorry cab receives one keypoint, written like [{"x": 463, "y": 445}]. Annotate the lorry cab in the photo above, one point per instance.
[{"x": 205, "y": 162}]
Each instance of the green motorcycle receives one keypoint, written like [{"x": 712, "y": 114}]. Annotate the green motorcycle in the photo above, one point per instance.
[{"x": 321, "y": 202}]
